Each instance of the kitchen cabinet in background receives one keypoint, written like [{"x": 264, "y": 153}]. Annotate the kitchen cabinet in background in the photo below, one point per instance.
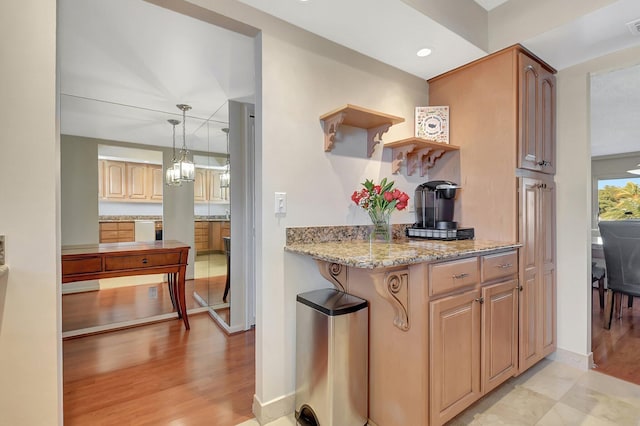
[
  {"x": 117, "y": 232},
  {"x": 206, "y": 186},
  {"x": 208, "y": 235},
  {"x": 129, "y": 181}
]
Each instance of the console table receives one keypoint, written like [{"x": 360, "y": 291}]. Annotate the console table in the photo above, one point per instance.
[{"x": 109, "y": 260}]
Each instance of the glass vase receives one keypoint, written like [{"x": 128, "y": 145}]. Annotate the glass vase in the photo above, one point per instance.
[{"x": 380, "y": 228}]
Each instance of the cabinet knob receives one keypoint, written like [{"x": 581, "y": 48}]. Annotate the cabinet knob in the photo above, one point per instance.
[
  {"x": 144, "y": 261},
  {"x": 460, "y": 276},
  {"x": 504, "y": 265},
  {"x": 519, "y": 288},
  {"x": 480, "y": 300}
]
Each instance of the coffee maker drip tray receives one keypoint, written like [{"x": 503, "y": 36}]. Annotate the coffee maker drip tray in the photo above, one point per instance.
[{"x": 441, "y": 234}]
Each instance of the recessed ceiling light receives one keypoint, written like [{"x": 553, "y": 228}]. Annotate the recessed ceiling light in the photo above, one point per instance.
[{"x": 424, "y": 52}]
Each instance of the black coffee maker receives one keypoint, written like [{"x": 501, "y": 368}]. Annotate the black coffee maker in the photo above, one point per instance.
[{"x": 434, "y": 204}]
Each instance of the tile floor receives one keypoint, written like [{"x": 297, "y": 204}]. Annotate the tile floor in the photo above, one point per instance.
[{"x": 548, "y": 394}]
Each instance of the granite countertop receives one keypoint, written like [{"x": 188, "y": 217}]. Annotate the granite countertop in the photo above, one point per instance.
[
  {"x": 350, "y": 246},
  {"x": 220, "y": 218},
  {"x": 363, "y": 254},
  {"x": 128, "y": 218}
]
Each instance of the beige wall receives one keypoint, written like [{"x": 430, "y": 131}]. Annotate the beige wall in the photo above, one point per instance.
[
  {"x": 574, "y": 198},
  {"x": 30, "y": 389},
  {"x": 79, "y": 190}
]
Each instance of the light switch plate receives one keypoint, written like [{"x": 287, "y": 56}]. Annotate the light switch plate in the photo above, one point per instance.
[
  {"x": 2, "y": 247},
  {"x": 281, "y": 202}
]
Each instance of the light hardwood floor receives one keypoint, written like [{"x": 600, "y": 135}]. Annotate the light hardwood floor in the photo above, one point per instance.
[
  {"x": 160, "y": 374},
  {"x": 616, "y": 351}
]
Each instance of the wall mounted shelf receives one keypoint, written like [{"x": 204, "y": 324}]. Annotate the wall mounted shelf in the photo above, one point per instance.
[
  {"x": 418, "y": 153},
  {"x": 376, "y": 124}
]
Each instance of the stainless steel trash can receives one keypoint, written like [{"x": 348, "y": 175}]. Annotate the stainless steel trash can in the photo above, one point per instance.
[{"x": 332, "y": 339}]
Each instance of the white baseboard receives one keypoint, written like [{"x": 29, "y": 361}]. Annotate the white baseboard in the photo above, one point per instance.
[
  {"x": 576, "y": 360},
  {"x": 127, "y": 324},
  {"x": 274, "y": 409},
  {"x": 222, "y": 323}
]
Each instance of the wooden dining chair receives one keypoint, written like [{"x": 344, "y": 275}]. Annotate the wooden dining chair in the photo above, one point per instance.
[{"x": 621, "y": 244}]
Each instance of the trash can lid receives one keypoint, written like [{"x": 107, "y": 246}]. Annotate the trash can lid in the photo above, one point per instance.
[{"x": 332, "y": 302}]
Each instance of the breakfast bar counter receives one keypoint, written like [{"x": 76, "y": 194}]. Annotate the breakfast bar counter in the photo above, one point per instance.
[{"x": 443, "y": 316}]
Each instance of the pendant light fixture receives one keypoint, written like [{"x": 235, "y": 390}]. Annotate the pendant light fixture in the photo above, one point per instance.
[
  {"x": 172, "y": 175},
  {"x": 186, "y": 166},
  {"x": 225, "y": 178}
]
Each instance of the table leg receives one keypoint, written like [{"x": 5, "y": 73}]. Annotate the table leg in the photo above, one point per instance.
[
  {"x": 181, "y": 299},
  {"x": 171, "y": 281}
]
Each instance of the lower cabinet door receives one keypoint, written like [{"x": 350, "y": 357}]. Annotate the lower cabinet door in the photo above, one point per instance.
[
  {"x": 454, "y": 355},
  {"x": 499, "y": 333}
]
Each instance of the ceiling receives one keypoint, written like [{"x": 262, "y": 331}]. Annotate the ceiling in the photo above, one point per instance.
[{"x": 121, "y": 74}]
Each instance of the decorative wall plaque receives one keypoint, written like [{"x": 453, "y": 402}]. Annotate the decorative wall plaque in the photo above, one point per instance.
[{"x": 432, "y": 122}]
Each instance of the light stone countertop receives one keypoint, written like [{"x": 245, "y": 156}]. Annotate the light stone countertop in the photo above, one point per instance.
[{"x": 363, "y": 254}]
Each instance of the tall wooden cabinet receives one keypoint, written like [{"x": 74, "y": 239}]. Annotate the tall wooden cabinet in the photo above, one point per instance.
[
  {"x": 537, "y": 266},
  {"x": 502, "y": 111}
]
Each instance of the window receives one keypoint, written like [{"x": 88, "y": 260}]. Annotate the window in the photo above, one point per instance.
[{"x": 618, "y": 199}]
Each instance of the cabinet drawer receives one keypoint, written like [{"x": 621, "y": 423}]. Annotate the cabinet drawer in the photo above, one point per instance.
[
  {"x": 108, "y": 235},
  {"x": 109, "y": 226},
  {"x": 126, "y": 226},
  {"x": 448, "y": 276},
  {"x": 81, "y": 266},
  {"x": 140, "y": 260},
  {"x": 499, "y": 265},
  {"x": 225, "y": 225}
]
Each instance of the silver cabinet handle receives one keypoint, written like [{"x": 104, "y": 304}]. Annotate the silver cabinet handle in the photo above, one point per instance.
[
  {"x": 460, "y": 276},
  {"x": 504, "y": 265},
  {"x": 480, "y": 300}
]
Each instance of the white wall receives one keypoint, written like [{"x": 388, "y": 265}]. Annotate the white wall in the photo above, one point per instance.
[
  {"x": 30, "y": 367},
  {"x": 574, "y": 198}
]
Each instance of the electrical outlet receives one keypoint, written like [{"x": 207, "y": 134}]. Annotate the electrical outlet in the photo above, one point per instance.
[
  {"x": 2, "y": 248},
  {"x": 153, "y": 292}
]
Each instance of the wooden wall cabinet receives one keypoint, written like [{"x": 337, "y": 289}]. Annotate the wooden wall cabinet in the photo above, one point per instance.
[
  {"x": 130, "y": 182},
  {"x": 207, "y": 186},
  {"x": 114, "y": 180},
  {"x": 117, "y": 232},
  {"x": 537, "y": 89}
]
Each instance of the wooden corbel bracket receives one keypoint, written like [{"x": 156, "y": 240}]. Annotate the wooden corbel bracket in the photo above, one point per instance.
[
  {"x": 394, "y": 288},
  {"x": 331, "y": 128},
  {"x": 335, "y": 273}
]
